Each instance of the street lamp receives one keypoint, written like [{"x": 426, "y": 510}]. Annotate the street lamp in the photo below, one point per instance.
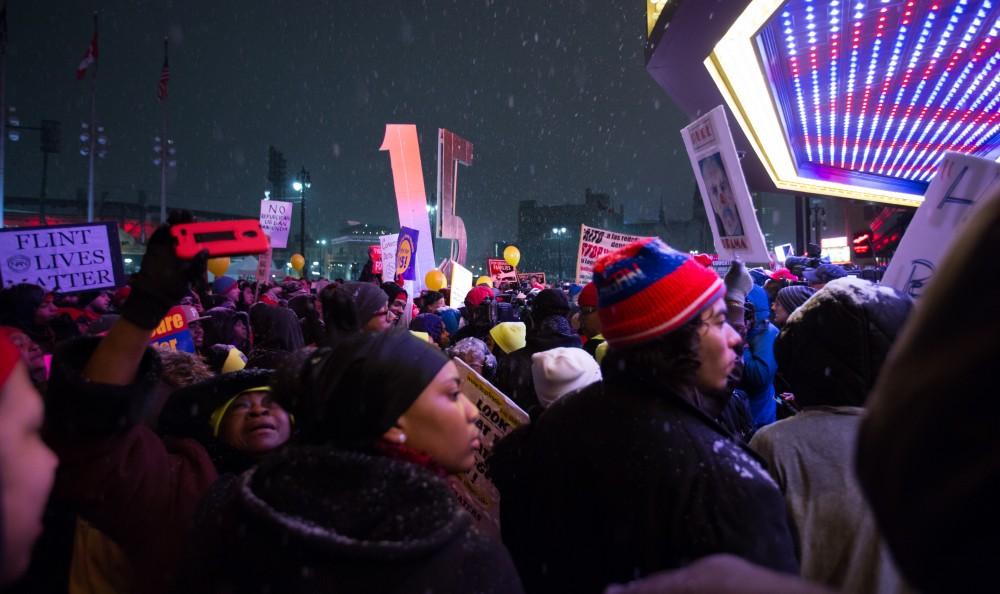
[
  {"x": 557, "y": 233},
  {"x": 164, "y": 156},
  {"x": 300, "y": 185}
]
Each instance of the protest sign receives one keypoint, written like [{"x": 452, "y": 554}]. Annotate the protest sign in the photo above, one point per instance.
[
  {"x": 961, "y": 185},
  {"x": 461, "y": 284},
  {"x": 531, "y": 277},
  {"x": 172, "y": 333},
  {"x": 375, "y": 256},
  {"x": 276, "y": 220},
  {"x": 594, "y": 243},
  {"x": 501, "y": 272},
  {"x": 411, "y": 196},
  {"x": 724, "y": 191},
  {"x": 498, "y": 416},
  {"x": 264, "y": 266},
  {"x": 64, "y": 258},
  {"x": 406, "y": 253},
  {"x": 387, "y": 243}
]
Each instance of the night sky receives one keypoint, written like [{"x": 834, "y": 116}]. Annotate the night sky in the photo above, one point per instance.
[{"x": 553, "y": 94}]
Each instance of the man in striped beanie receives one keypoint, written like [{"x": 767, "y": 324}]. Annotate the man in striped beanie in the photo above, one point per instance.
[
  {"x": 788, "y": 300},
  {"x": 641, "y": 456}
]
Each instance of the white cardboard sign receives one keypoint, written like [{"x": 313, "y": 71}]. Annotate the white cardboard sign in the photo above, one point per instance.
[
  {"x": 388, "y": 244},
  {"x": 594, "y": 243},
  {"x": 64, "y": 258},
  {"x": 723, "y": 188},
  {"x": 276, "y": 221},
  {"x": 498, "y": 416},
  {"x": 962, "y": 183}
]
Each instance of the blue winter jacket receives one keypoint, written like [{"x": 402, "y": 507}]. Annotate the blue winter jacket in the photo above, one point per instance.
[{"x": 759, "y": 364}]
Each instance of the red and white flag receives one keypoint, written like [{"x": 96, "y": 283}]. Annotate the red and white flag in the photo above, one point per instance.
[
  {"x": 161, "y": 87},
  {"x": 90, "y": 58}
]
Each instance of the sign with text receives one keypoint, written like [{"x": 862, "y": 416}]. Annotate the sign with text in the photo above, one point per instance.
[
  {"x": 264, "y": 266},
  {"x": 961, "y": 185},
  {"x": 375, "y": 256},
  {"x": 531, "y": 277},
  {"x": 501, "y": 272},
  {"x": 723, "y": 188},
  {"x": 594, "y": 243},
  {"x": 276, "y": 221},
  {"x": 498, "y": 416},
  {"x": 172, "y": 333},
  {"x": 388, "y": 245},
  {"x": 63, "y": 258},
  {"x": 461, "y": 284},
  {"x": 406, "y": 253}
]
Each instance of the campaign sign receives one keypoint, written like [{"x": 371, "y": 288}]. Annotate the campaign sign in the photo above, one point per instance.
[
  {"x": 501, "y": 272},
  {"x": 406, "y": 253},
  {"x": 172, "y": 333},
  {"x": 387, "y": 243},
  {"x": 276, "y": 221},
  {"x": 594, "y": 243},
  {"x": 63, "y": 258},
  {"x": 375, "y": 256},
  {"x": 723, "y": 188},
  {"x": 531, "y": 277},
  {"x": 959, "y": 188},
  {"x": 498, "y": 416}
]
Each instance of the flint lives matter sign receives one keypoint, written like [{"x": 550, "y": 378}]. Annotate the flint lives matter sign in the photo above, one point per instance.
[{"x": 64, "y": 258}]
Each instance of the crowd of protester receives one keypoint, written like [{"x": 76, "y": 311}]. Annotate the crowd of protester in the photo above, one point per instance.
[{"x": 796, "y": 429}]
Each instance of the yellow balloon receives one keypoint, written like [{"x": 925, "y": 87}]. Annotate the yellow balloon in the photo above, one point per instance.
[
  {"x": 218, "y": 266},
  {"x": 512, "y": 255},
  {"x": 435, "y": 280},
  {"x": 298, "y": 262},
  {"x": 484, "y": 280}
]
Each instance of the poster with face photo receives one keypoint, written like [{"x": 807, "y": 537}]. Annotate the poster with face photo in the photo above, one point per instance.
[{"x": 723, "y": 189}]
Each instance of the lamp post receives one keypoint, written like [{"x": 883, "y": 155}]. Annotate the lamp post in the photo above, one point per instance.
[
  {"x": 557, "y": 234},
  {"x": 300, "y": 185}
]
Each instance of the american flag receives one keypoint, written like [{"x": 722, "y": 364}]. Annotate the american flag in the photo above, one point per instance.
[
  {"x": 161, "y": 88},
  {"x": 90, "y": 58}
]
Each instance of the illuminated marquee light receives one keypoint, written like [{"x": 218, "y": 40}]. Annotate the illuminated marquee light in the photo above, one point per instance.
[{"x": 861, "y": 98}]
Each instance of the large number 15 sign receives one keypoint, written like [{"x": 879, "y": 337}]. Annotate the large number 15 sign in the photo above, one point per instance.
[{"x": 452, "y": 150}]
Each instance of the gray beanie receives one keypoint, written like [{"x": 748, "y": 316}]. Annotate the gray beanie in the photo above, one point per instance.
[{"x": 791, "y": 298}]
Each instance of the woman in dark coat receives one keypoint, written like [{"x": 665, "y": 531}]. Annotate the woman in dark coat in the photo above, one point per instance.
[{"x": 361, "y": 505}]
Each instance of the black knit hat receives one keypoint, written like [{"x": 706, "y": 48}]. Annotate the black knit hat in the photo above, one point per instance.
[{"x": 350, "y": 395}]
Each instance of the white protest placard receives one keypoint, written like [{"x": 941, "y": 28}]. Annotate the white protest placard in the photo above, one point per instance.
[
  {"x": 64, "y": 258},
  {"x": 498, "y": 416},
  {"x": 594, "y": 243},
  {"x": 962, "y": 183},
  {"x": 723, "y": 188},
  {"x": 263, "y": 273},
  {"x": 388, "y": 245},
  {"x": 276, "y": 221},
  {"x": 461, "y": 284}
]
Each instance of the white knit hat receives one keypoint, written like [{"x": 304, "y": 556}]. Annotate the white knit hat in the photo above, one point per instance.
[{"x": 559, "y": 371}]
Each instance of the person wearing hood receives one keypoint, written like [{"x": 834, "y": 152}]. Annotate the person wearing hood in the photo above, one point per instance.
[
  {"x": 550, "y": 329},
  {"x": 831, "y": 351},
  {"x": 634, "y": 475},
  {"x": 277, "y": 328},
  {"x": 27, "y": 465},
  {"x": 354, "y": 307},
  {"x": 227, "y": 326},
  {"x": 434, "y": 326},
  {"x": 759, "y": 364},
  {"x": 29, "y": 308},
  {"x": 139, "y": 487},
  {"x": 360, "y": 503}
]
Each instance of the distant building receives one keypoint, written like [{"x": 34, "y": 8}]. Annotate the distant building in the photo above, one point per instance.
[
  {"x": 546, "y": 248},
  {"x": 345, "y": 255}
]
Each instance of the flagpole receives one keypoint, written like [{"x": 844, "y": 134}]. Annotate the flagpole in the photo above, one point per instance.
[
  {"x": 163, "y": 151},
  {"x": 93, "y": 136}
]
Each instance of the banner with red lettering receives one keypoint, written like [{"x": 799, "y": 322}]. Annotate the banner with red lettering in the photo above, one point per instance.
[
  {"x": 375, "y": 256},
  {"x": 63, "y": 258},
  {"x": 172, "y": 333},
  {"x": 594, "y": 243}
]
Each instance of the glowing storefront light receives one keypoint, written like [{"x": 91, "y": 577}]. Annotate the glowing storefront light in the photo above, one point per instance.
[{"x": 862, "y": 98}]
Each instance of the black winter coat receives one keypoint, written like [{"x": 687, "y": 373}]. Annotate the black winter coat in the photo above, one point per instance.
[
  {"x": 613, "y": 483},
  {"x": 514, "y": 377},
  {"x": 315, "y": 520}
]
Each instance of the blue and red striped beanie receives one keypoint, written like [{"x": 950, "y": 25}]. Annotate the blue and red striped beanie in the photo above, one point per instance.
[{"x": 647, "y": 289}]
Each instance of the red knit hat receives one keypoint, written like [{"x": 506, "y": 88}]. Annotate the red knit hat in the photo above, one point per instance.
[
  {"x": 647, "y": 289},
  {"x": 588, "y": 296},
  {"x": 477, "y": 295},
  {"x": 703, "y": 259},
  {"x": 9, "y": 356}
]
